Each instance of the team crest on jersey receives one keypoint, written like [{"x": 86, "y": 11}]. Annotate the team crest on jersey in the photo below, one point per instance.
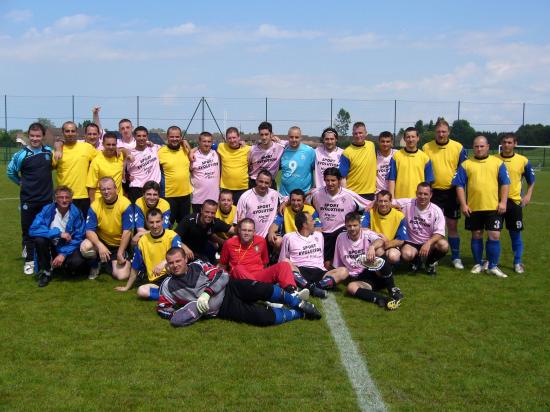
[{"x": 257, "y": 248}]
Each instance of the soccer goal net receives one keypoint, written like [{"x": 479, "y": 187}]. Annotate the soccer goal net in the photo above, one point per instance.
[{"x": 538, "y": 155}]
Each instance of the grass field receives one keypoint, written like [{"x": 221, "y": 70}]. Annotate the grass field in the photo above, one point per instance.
[{"x": 458, "y": 342}]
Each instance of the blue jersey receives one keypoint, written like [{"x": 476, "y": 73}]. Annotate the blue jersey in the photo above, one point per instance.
[
  {"x": 31, "y": 169},
  {"x": 297, "y": 167}
]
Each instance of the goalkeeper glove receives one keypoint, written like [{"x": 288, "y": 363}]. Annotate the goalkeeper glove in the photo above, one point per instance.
[{"x": 202, "y": 302}]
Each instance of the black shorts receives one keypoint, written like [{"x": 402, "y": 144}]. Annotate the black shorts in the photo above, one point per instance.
[
  {"x": 134, "y": 193},
  {"x": 372, "y": 279},
  {"x": 179, "y": 207},
  {"x": 312, "y": 275},
  {"x": 486, "y": 219},
  {"x": 83, "y": 205},
  {"x": 414, "y": 245},
  {"x": 513, "y": 216},
  {"x": 446, "y": 199},
  {"x": 330, "y": 242}
]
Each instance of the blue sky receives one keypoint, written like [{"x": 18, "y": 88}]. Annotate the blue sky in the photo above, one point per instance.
[{"x": 363, "y": 54}]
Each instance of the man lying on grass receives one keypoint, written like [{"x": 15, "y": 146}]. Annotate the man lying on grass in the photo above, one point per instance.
[{"x": 200, "y": 290}]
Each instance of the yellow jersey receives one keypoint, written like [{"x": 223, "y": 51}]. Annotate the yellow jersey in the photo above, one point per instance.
[
  {"x": 72, "y": 168},
  {"x": 151, "y": 250},
  {"x": 234, "y": 172},
  {"x": 517, "y": 166},
  {"x": 445, "y": 159},
  {"x": 358, "y": 166},
  {"x": 110, "y": 220},
  {"x": 408, "y": 169},
  {"x": 175, "y": 175},
  {"x": 226, "y": 218},
  {"x": 481, "y": 179},
  {"x": 392, "y": 225},
  {"x": 103, "y": 166}
]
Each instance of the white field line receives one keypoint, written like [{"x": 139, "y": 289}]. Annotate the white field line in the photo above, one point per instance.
[
  {"x": 368, "y": 397},
  {"x": 9, "y": 198}
]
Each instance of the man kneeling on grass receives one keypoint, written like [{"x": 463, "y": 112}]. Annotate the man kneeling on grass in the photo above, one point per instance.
[
  {"x": 149, "y": 256},
  {"x": 200, "y": 290},
  {"x": 356, "y": 251},
  {"x": 57, "y": 232}
]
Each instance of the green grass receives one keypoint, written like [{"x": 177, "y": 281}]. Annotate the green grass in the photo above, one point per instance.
[{"x": 459, "y": 341}]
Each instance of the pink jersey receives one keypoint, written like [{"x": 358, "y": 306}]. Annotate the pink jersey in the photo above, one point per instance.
[
  {"x": 122, "y": 144},
  {"x": 261, "y": 209},
  {"x": 422, "y": 224},
  {"x": 302, "y": 250},
  {"x": 347, "y": 251},
  {"x": 333, "y": 209},
  {"x": 145, "y": 166},
  {"x": 382, "y": 170},
  {"x": 205, "y": 176},
  {"x": 269, "y": 159},
  {"x": 324, "y": 160}
]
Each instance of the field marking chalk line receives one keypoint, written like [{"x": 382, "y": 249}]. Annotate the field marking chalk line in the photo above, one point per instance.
[{"x": 368, "y": 396}]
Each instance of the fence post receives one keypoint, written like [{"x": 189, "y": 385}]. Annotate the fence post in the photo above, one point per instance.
[
  {"x": 202, "y": 118},
  {"x": 331, "y": 114},
  {"x": 6, "y": 112},
  {"x": 266, "y": 109},
  {"x": 137, "y": 110},
  {"x": 458, "y": 114},
  {"x": 543, "y": 156},
  {"x": 395, "y": 119},
  {"x": 72, "y": 104},
  {"x": 523, "y": 115}
]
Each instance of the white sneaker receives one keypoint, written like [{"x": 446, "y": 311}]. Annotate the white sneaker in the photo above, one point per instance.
[
  {"x": 274, "y": 305},
  {"x": 303, "y": 294},
  {"x": 94, "y": 273},
  {"x": 477, "y": 269},
  {"x": 28, "y": 268},
  {"x": 497, "y": 272},
  {"x": 485, "y": 264},
  {"x": 457, "y": 264},
  {"x": 519, "y": 268}
]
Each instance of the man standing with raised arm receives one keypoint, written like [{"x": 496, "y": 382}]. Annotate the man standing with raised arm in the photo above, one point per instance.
[
  {"x": 72, "y": 168},
  {"x": 107, "y": 163}
]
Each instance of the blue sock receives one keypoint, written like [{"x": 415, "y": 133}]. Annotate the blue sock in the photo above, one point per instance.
[
  {"x": 517, "y": 245},
  {"x": 454, "y": 242},
  {"x": 280, "y": 296},
  {"x": 283, "y": 315},
  {"x": 327, "y": 282},
  {"x": 300, "y": 280},
  {"x": 154, "y": 294},
  {"x": 492, "y": 248},
  {"x": 477, "y": 250}
]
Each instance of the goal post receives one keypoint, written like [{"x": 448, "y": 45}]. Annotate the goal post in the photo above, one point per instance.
[{"x": 538, "y": 155}]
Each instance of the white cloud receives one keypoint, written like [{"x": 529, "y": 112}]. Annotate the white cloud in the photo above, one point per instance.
[
  {"x": 270, "y": 31},
  {"x": 358, "y": 42},
  {"x": 73, "y": 23},
  {"x": 19, "y": 16},
  {"x": 180, "y": 30}
]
